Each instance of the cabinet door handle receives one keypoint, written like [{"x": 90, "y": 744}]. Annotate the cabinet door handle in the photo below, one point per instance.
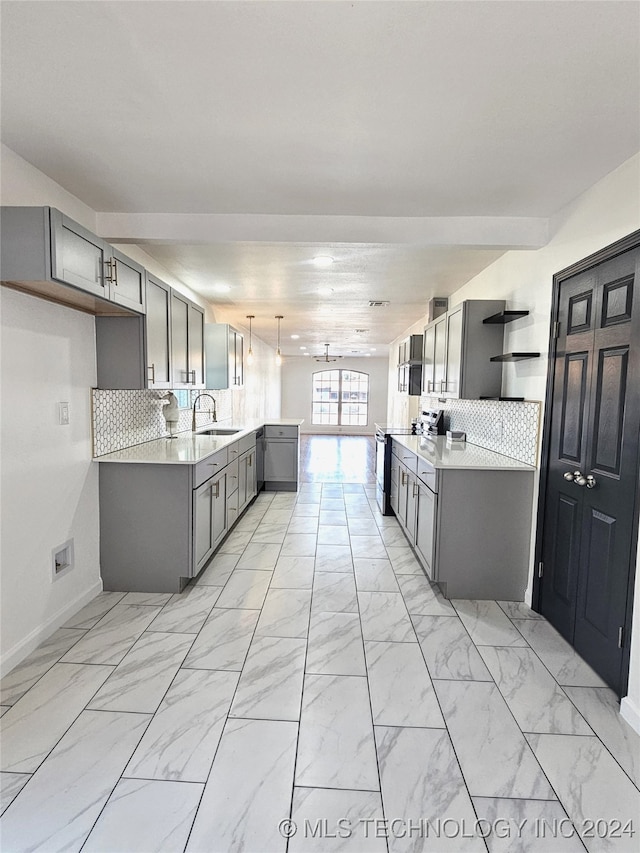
[
  {"x": 250, "y": 461},
  {"x": 216, "y": 485},
  {"x": 151, "y": 368},
  {"x": 415, "y": 489},
  {"x": 234, "y": 451},
  {"x": 234, "y": 477},
  {"x": 402, "y": 478},
  {"x": 108, "y": 275},
  {"x": 192, "y": 373},
  {"x": 213, "y": 464}
]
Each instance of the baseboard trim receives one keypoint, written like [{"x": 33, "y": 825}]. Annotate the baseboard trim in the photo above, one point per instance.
[
  {"x": 630, "y": 713},
  {"x": 21, "y": 650}
]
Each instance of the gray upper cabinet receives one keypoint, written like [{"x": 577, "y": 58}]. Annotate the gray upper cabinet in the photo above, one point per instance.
[
  {"x": 410, "y": 365},
  {"x": 162, "y": 349},
  {"x": 128, "y": 281},
  {"x": 187, "y": 330},
  {"x": 434, "y": 358},
  {"x": 78, "y": 257},
  {"x": 158, "y": 334},
  {"x": 224, "y": 356},
  {"x": 458, "y": 349},
  {"x": 195, "y": 320},
  {"x": 47, "y": 254}
]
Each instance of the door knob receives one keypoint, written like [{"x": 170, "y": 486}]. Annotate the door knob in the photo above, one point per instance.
[
  {"x": 581, "y": 480},
  {"x": 571, "y": 477},
  {"x": 591, "y": 481}
]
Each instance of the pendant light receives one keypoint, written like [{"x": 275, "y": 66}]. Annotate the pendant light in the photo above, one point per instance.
[
  {"x": 278, "y": 353},
  {"x": 250, "y": 317}
]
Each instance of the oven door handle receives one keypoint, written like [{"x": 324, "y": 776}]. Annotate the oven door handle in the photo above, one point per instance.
[{"x": 381, "y": 439}]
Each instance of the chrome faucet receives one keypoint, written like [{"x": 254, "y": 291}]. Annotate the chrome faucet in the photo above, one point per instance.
[{"x": 213, "y": 414}]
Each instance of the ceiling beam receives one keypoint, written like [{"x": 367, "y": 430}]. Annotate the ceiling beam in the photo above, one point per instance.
[{"x": 472, "y": 231}]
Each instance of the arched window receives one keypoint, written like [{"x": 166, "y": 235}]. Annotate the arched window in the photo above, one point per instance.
[{"x": 340, "y": 398}]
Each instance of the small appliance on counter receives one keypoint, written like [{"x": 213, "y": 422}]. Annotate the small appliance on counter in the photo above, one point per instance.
[
  {"x": 432, "y": 421},
  {"x": 455, "y": 435}
]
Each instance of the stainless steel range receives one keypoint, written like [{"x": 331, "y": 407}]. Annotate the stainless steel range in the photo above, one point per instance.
[
  {"x": 431, "y": 422},
  {"x": 384, "y": 432}
]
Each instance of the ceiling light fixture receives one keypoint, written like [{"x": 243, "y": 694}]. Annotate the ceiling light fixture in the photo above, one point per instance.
[
  {"x": 221, "y": 288},
  {"x": 302, "y": 347},
  {"x": 325, "y": 291},
  {"x": 278, "y": 353},
  {"x": 326, "y": 357},
  {"x": 295, "y": 337},
  {"x": 250, "y": 317},
  {"x": 322, "y": 261}
]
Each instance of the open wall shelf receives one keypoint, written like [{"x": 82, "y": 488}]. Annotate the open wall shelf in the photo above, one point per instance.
[
  {"x": 515, "y": 356},
  {"x": 505, "y": 317}
]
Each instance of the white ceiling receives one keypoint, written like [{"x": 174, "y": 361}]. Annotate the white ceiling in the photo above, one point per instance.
[{"x": 268, "y": 132}]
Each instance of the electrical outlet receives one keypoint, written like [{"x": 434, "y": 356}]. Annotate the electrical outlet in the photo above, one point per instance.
[
  {"x": 63, "y": 414},
  {"x": 497, "y": 429}
]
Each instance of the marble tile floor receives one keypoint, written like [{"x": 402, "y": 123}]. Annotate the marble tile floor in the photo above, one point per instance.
[{"x": 312, "y": 683}]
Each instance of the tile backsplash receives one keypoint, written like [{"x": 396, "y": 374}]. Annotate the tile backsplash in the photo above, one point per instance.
[
  {"x": 124, "y": 418},
  {"x": 508, "y": 428}
]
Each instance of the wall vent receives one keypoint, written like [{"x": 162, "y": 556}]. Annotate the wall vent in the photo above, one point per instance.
[
  {"x": 62, "y": 559},
  {"x": 378, "y": 303}
]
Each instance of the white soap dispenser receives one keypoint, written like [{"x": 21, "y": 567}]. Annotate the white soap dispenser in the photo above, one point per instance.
[{"x": 171, "y": 412}]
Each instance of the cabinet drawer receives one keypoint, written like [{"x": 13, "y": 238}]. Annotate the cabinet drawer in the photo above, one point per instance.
[
  {"x": 273, "y": 431},
  {"x": 246, "y": 443},
  {"x": 427, "y": 473},
  {"x": 209, "y": 467},
  {"x": 232, "y": 477},
  {"x": 408, "y": 459}
]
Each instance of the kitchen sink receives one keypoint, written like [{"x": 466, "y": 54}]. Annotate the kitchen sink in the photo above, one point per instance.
[{"x": 219, "y": 431}]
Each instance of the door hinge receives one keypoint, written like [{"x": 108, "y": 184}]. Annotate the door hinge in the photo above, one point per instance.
[
  {"x": 620, "y": 637},
  {"x": 556, "y": 329},
  {"x": 540, "y": 569}
]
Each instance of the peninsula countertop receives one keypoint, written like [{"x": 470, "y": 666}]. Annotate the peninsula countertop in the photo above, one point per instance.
[
  {"x": 189, "y": 448},
  {"x": 443, "y": 454}
]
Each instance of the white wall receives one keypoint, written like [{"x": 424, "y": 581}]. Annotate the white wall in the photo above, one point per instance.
[
  {"x": 49, "y": 486},
  {"x": 607, "y": 212},
  {"x": 296, "y": 392}
]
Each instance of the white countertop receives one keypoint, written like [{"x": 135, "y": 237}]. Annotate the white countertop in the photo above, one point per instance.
[
  {"x": 440, "y": 453},
  {"x": 188, "y": 448}
]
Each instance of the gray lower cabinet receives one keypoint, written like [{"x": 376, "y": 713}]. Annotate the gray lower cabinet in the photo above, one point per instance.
[
  {"x": 247, "y": 479},
  {"x": 470, "y": 529},
  {"x": 161, "y": 524},
  {"x": 209, "y": 519},
  {"x": 281, "y": 450}
]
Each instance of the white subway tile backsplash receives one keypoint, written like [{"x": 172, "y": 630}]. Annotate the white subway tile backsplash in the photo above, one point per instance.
[
  {"x": 124, "y": 418},
  {"x": 506, "y": 427}
]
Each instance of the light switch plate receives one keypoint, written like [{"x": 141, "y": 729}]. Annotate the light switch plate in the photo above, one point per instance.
[{"x": 63, "y": 414}]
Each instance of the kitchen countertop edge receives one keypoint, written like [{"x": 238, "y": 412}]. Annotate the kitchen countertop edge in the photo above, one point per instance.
[
  {"x": 444, "y": 455},
  {"x": 189, "y": 448}
]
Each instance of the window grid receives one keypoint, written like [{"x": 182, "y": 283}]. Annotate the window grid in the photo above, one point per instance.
[{"x": 340, "y": 398}]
